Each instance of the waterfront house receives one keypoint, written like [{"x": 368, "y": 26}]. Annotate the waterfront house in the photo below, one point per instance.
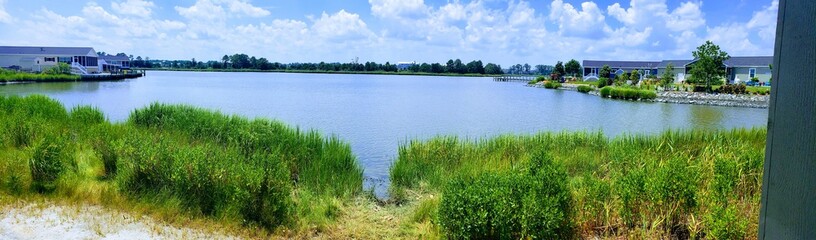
[
  {"x": 592, "y": 68},
  {"x": 114, "y": 64},
  {"x": 742, "y": 69},
  {"x": 737, "y": 69},
  {"x": 83, "y": 60}
]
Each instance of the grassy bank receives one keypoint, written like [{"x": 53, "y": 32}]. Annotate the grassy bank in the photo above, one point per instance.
[
  {"x": 177, "y": 163},
  {"x": 12, "y": 76},
  {"x": 406, "y": 73},
  {"x": 684, "y": 184}
]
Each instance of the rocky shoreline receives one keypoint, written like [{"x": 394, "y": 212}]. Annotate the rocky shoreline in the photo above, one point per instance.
[{"x": 728, "y": 100}]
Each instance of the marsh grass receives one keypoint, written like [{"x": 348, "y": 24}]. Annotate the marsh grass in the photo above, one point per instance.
[
  {"x": 178, "y": 163},
  {"x": 13, "y": 76},
  {"x": 636, "y": 186}
]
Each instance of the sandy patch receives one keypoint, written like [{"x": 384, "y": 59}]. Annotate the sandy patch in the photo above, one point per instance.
[{"x": 40, "y": 221}]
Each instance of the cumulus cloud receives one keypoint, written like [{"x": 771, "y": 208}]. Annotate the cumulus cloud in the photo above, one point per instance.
[
  {"x": 572, "y": 21},
  {"x": 686, "y": 17},
  {"x": 202, "y": 9},
  {"x": 398, "y": 8},
  {"x": 765, "y": 21},
  {"x": 139, "y": 8},
  {"x": 245, "y": 8},
  {"x": 341, "y": 26}
]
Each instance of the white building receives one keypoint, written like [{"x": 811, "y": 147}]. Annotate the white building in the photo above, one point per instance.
[
  {"x": 113, "y": 64},
  {"x": 83, "y": 60}
]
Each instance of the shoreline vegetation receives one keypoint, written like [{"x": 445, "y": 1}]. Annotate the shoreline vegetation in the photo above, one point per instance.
[
  {"x": 258, "y": 178},
  {"x": 753, "y": 97},
  {"x": 407, "y": 73}
]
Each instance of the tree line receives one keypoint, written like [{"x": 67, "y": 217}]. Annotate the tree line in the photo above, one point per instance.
[{"x": 240, "y": 61}]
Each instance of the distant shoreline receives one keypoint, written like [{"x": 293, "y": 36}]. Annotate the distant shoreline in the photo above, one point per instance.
[
  {"x": 680, "y": 97},
  {"x": 321, "y": 72}
]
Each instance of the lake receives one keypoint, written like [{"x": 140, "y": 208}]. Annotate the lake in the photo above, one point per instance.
[{"x": 375, "y": 113}]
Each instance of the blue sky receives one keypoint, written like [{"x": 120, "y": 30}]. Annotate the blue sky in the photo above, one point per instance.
[{"x": 504, "y": 32}]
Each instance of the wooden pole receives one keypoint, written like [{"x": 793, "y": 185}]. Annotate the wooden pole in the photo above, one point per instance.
[{"x": 788, "y": 204}]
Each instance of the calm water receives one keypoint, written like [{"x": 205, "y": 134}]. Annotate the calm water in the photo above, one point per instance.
[{"x": 376, "y": 113}]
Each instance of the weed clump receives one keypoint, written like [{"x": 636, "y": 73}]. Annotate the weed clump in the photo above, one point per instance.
[{"x": 534, "y": 203}]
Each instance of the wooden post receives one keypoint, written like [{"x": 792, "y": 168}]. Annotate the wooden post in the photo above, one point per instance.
[{"x": 788, "y": 204}]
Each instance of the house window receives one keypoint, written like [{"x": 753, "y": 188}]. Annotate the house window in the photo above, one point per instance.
[
  {"x": 50, "y": 59},
  {"x": 752, "y": 72}
]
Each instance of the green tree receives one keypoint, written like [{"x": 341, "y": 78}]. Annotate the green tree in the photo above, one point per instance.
[
  {"x": 634, "y": 76},
  {"x": 668, "y": 77},
  {"x": 605, "y": 72},
  {"x": 225, "y": 60},
  {"x": 491, "y": 68},
  {"x": 573, "y": 68},
  {"x": 708, "y": 66},
  {"x": 559, "y": 69}
]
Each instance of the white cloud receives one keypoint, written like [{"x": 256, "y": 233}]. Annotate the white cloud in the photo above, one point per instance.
[
  {"x": 571, "y": 21},
  {"x": 4, "y": 16},
  {"x": 398, "y": 8},
  {"x": 203, "y": 10},
  {"x": 640, "y": 14},
  {"x": 765, "y": 21},
  {"x": 139, "y": 8},
  {"x": 241, "y": 7},
  {"x": 341, "y": 26},
  {"x": 685, "y": 17}
]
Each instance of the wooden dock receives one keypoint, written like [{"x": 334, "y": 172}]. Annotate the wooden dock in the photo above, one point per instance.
[
  {"x": 109, "y": 77},
  {"x": 514, "y": 78}
]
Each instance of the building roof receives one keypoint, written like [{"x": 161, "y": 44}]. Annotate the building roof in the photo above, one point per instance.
[
  {"x": 675, "y": 63},
  {"x": 73, "y": 51},
  {"x": 114, "y": 58},
  {"x": 621, "y": 64},
  {"x": 755, "y": 61}
]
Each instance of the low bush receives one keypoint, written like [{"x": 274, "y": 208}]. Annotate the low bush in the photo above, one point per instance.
[
  {"x": 534, "y": 203},
  {"x": 603, "y": 82},
  {"x": 732, "y": 89},
  {"x": 584, "y": 88},
  {"x": 606, "y": 91},
  {"x": 724, "y": 223},
  {"x": 627, "y": 93},
  {"x": 552, "y": 85}
]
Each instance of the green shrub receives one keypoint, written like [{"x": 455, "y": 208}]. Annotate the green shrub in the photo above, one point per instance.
[
  {"x": 603, "y": 82},
  {"x": 552, "y": 85},
  {"x": 584, "y": 88},
  {"x": 208, "y": 179},
  {"x": 723, "y": 223},
  {"x": 627, "y": 93},
  {"x": 673, "y": 188},
  {"x": 606, "y": 91},
  {"x": 530, "y": 204},
  {"x": 46, "y": 163}
]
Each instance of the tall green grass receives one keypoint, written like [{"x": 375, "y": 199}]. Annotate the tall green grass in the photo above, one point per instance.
[
  {"x": 323, "y": 165},
  {"x": 255, "y": 172},
  {"x": 12, "y": 76},
  {"x": 658, "y": 185}
]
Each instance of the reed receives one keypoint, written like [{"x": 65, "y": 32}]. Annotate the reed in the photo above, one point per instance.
[
  {"x": 662, "y": 185},
  {"x": 176, "y": 159}
]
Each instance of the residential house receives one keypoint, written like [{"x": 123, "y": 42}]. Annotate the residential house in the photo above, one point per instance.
[
  {"x": 83, "y": 60},
  {"x": 114, "y": 64},
  {"x": 592, "y": 68},
  {"x": 737, "y": 69}
]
